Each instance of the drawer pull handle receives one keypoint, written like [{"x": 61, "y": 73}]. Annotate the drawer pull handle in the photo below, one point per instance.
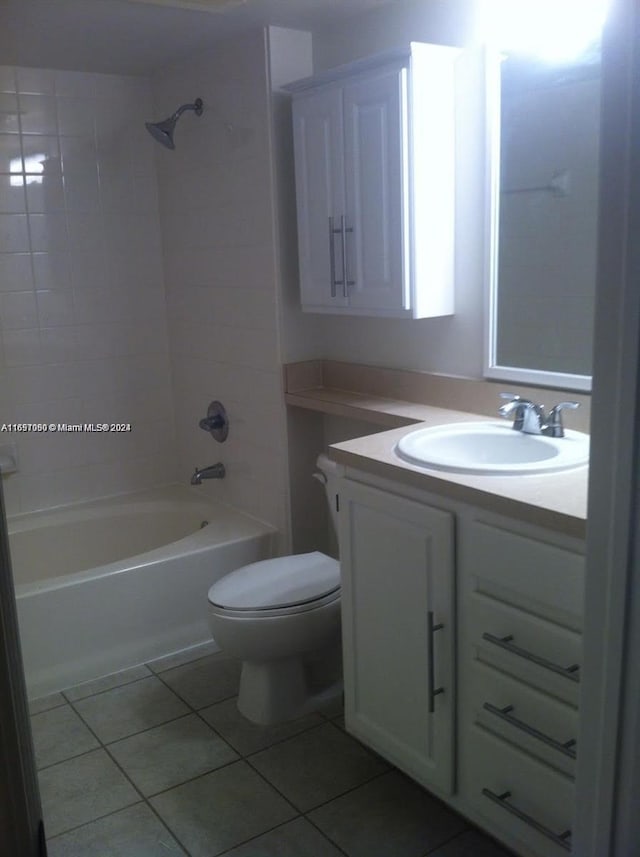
[
  {"x": 561, "y": 839},
  {"x": 568, "y": 748},
  {"x": 506, "y": 643},
  {"x": 433, "y": 690}
]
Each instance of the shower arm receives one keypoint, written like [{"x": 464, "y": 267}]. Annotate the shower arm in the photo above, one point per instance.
[{"x": 196, "y": 107}]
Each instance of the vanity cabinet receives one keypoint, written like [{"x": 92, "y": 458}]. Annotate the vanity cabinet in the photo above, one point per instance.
[
  {"x": 462, "y": 641},
  {"x": 397, "y": 598},
  {"x": 375, "y": 147}
]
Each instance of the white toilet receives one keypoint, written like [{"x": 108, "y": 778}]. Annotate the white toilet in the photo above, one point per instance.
[{"x": 281, "y": 618}]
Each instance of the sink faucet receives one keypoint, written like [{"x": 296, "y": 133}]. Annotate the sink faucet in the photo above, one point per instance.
[
  {"x": 214, "y": 471},
  {"x": 530, "y": 418}
]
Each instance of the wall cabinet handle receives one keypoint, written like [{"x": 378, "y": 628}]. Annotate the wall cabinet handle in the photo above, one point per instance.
[
  {"x": 345, "y": 282},
  {"x": 506, "y": 643},
  {"x": 561, "y": 839},
  {"x": 332, "y": 257},
  {"x": 568, "y": 748},
  {"x": 433, "y": 691}
]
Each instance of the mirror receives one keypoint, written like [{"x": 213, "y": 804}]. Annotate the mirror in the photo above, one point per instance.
[{"x": 543, "y": 214}]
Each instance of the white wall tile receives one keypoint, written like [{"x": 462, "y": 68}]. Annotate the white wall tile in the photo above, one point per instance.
[
  {"x": 48, "y": 232},
  {"x": 18, "y": 310},
  {"x": 9, "y": 113},
  {"x": 14, "y": 235},
  {"x": 38, "y": 114},
  {"x": 7, "y": 79},
  {"x": 39, "y": 81},
  {"x": 52, "y": 270},
  {"x": 10, "y": 154},
  {"x": 45, "y": 195},
  {"x": 67, "y": 329},
  {"x": 76, "y": 116},
  {"x": 15, "y": 272},
  {"x": 12, "y": 195}
]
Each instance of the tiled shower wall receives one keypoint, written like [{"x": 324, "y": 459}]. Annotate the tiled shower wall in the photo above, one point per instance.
[
  {"x": 217, "y": 224},
  {"x": 82, "y": 303}
]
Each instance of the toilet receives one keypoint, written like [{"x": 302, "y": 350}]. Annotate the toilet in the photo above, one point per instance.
[{"x": 281, "y": 618}]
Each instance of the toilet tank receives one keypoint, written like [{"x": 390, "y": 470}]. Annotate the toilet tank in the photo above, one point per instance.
[{"x": 329, "y": 473}]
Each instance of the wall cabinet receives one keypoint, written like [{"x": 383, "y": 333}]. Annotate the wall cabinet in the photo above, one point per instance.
[
  {"x": 374, "y": 146},
  {"x": 502, "y": 748}
]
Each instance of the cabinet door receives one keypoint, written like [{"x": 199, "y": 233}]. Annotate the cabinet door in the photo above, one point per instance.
[
  {"x": 375, "y": 110},
  {"x": 397, "y": 566},
  {"x": 319, "y": 165}
]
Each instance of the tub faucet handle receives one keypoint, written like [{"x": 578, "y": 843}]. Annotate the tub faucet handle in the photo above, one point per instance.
[{"x": 216, "y": 421}]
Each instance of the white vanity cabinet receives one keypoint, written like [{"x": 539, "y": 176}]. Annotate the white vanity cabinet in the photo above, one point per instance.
[
  {"x": 375, "y": 146},
  {"x": 397, "y": 576},
  {"x": 462, "y": 642}
]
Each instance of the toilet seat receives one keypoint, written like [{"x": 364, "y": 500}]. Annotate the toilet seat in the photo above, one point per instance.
[{"x": 284, "y": 585}]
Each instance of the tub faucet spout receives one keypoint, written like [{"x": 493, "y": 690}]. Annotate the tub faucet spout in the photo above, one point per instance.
[{"x": 214, "y": 471}]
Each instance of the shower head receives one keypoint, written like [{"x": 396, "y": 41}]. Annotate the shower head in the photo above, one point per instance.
[{"x": 163, "y": 131}]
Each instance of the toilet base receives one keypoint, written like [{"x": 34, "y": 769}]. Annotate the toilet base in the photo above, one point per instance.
[{"x": 276, "y": 691}]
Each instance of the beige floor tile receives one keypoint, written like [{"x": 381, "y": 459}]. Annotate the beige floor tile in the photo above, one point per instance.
[
  {"x": 297, "y": 838},
  {"x": 171, "y": 754},
  {"x": 389, "y": 816},
  {"x": 59, "y": 734},
  {"x": 132, "y": 832},
  {"x": 206, "y": 680},
  {"x": 81, "y": 790},
  {"x": 131, "y": 708},
  {"x": 248, "y": 737},
  {"x": 317, "y": 765},
  {"x": 222, "y": 809},
  {"x": 107, "y": 682},
  {"x": 472, "y": 843}
]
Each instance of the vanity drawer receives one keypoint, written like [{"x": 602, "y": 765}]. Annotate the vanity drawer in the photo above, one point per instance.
[
  {"x": 514, "y": 794},
  {"x": 545, "y": 579},
  {"x": 532, "y": 721},
  {"x": 535, "y": 651}
]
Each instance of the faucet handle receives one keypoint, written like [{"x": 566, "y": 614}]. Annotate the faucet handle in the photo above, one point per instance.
[{"x": 554, "y": 426}]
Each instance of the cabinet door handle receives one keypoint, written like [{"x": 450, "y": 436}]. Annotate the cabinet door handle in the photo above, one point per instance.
[
  {"x": 345, "y": 282},
  {"x": 506, "y": 643},
  {"x": 561, "y": 839},
  {"x": 568, "y": 748},
  {"x": 433, "y": 691},
  {"x": 332, "y": 257}
]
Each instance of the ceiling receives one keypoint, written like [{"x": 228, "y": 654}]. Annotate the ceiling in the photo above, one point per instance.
[{"x": 139, "y": 36}]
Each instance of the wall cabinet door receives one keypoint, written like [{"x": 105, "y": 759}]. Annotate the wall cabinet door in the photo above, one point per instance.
[
  {"x": 376, "y": 144},
  {"x": 319, "y": 156},
  {"x": 398, "y": 630}
]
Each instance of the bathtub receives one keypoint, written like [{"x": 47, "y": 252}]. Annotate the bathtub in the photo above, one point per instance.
[{"x": 109, "y": 584}]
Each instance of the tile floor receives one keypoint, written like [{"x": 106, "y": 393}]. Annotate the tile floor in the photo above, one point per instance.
[{"x": 156, "y": 761}]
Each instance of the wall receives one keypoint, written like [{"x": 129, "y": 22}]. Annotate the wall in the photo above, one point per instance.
[
  {"x": 82, "y": 310},
  {"x": 451, "y": 345},
  {"x": 218, "y": 235}
]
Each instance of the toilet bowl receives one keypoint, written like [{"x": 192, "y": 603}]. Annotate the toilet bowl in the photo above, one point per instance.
[{"x": 281, "y": 618}]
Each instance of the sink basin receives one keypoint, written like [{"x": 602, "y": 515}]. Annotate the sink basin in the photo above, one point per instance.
[{"x": 492, "y": 449}]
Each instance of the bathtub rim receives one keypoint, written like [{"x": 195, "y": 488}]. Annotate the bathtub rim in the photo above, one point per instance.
[{"x": 196, "y": 542}]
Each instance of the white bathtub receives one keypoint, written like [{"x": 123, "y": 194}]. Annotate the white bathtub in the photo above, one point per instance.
[{"x": 105, "y": 585}]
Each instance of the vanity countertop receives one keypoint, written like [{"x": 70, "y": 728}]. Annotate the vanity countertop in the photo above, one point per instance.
[{"x": 557, "y": 501}]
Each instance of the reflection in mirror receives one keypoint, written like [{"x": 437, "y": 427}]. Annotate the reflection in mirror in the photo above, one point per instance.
[{"x": 544, "y": 212}]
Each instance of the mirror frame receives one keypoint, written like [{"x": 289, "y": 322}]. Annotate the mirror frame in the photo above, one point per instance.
[{"x": 492, "y": 369}]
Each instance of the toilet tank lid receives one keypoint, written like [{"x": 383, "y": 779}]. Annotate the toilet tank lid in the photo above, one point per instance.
[{"x": 281, "y": 582}]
